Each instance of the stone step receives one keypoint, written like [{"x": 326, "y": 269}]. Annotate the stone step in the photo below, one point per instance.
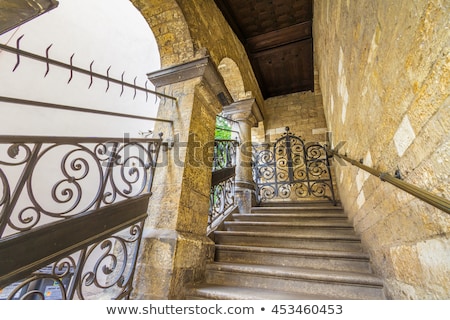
[
  {"x": 345, "y": 285},
  {"x": 222, "y": 292},
  {"x": 290, "y": 217},
  {"x": 316, "y": 228},
  {"x": 292, "y": 251},
  {"x": 283, "y": 240},
  {"x": 312, "y": 209},
  {"x": 317, "y": 259},
  {"x": 301, "y": 204}
]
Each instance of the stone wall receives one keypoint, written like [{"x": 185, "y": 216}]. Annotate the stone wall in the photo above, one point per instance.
[
  {"x": 301, "y": 112},
  {"x": 384, "y": 71}
]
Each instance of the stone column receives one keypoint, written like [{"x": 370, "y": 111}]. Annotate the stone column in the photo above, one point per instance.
[
  {"x": 175, "y": 248},
  {"x": 247, "y": 115}
]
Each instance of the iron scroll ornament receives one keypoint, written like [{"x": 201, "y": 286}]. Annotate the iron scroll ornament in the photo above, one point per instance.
[
  {"x": 53, "y": 186},
  {"x": 57, "y": 178},
  {"x": 101, "y": 270},
  {"x": 292, "y": 169}
]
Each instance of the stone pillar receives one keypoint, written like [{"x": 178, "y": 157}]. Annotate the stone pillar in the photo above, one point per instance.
[
  {"x": 247, "y": 115},
  {"x": 175, "y": 248}
]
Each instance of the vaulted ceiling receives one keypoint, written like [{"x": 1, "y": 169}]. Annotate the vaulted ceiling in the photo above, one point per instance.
[{"x": 277, "y": 35}]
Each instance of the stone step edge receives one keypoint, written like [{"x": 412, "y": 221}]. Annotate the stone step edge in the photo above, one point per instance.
[
  {"x": 223, "y": 292},
  {"x": 352, "y": 238},
  {"x": 312, "y": 253},
  {"x": 330, "y": 224},
  {"x": 309, "y": 202},
  {"x": 306, "y": 208},
  {"x": 302, "y": 215},
  {"x": 301, "y": 274}
]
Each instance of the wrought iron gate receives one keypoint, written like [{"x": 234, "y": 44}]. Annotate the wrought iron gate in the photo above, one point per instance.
[{"x": 293, "y": 170}]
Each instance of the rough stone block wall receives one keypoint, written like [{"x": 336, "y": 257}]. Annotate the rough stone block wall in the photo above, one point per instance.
[
  {"x": 384, "y": 71},
  {"x": 301, "y": 112}
]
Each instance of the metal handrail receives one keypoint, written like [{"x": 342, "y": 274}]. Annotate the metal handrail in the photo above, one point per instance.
[
  {"x": 430, "y": 198},
  {"x": 40, "y": 104},
  {"x": 225, "y": 118}
]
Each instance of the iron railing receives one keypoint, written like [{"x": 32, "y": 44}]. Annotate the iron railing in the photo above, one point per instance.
[
  {"x": 222, "y": 182},
  {"x": 74, "y": 69},
  {"x": 72, "y": 211},
  {"x": 430, "y": 198}
]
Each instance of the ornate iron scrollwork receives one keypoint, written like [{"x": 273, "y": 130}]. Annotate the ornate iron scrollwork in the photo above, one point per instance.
[
  {"x": 45, "y": 181},
  {"x": 224, "y": 154},
  {"x": 221, "y": 199},
  {"x": 222, "y": 186},
  {"x": 103, "y": 270},
  {"x": 49, "y": 180},
  {"x": 293, "y": 170}
]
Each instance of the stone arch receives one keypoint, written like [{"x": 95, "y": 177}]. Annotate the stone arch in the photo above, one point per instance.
[
  {"x": 170, "y": 29},
  {"x": 233, "y": 78}
]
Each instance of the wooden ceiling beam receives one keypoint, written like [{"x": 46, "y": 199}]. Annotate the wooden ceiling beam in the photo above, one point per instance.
[{"x": 281, "y": 37}]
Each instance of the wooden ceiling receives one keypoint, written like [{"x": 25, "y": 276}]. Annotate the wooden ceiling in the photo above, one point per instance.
[{"x": 277, "y": 35}]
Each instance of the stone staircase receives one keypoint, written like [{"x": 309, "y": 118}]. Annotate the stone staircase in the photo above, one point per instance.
[{"x": 278, "y": 252}]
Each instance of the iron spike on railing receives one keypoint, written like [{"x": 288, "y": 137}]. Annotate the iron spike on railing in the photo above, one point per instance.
[
  {"x": 47, "y": 57},
  {"x": 71, "y": 68},
  {"x": 134, "y": 81},
  {"x": 121, "y": 92},
  {"x": 18, "y": 52},
  {"x": 92, "y": 78},
  {"x": 107, "y": 78}
]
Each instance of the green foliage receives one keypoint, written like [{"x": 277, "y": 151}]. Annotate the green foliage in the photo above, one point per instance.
[{"x": 222, "y": 129}]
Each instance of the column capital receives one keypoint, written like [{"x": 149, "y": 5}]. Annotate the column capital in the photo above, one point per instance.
[
  {"x": 244, "y": 110},
  {"x": 203, "y": 67}
]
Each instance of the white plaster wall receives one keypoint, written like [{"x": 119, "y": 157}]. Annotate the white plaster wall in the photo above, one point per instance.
[{"x": 108, "y": 32}]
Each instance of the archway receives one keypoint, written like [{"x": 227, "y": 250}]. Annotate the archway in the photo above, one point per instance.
[
  {"x": 171, "y": 31},
  {"x": 233, "y": 79}
]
